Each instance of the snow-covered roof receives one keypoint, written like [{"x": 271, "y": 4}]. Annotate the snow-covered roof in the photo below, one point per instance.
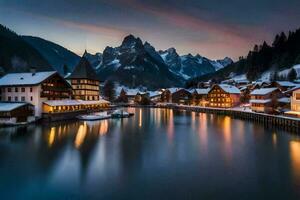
[
  {"x": 172, "y": 90},
  {"x": 202, "y": 91},
  {"x": 285, "y": 83},
  {"x": 9, "y": 106},
  {"x": 262, "y": 101},
  {"x": 25, "y": 78},
  {"x": 284, "y": 100},
  {"x": 263, "y": 91},
  {"x": 230, "y": 89},
  {"x": 154, "y": 93},
  {"x": 71, "y": 102}
]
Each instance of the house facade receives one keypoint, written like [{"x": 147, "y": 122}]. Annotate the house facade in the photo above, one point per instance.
[
  {"x": 265, "y": 99},
  {"x": 224, "y": 96},
  {"x": 182, "y": 96},
  {"x": 34, "y": 88},
  {"x": 200, "y": 97},
  {"x": 85, "y": 83}
]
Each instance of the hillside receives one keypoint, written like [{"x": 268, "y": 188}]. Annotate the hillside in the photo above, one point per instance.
[
  {"x": 283, "y": 54},
  {"x": 16, "y": 55},
  {"x": 55, "y": 54}
]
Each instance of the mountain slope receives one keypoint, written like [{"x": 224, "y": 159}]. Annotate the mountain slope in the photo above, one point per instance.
[
  {"x": 55, "y": 54},
  {"x": 134, "y": 63},
  {"x": 16, "y": 55},
  {"x": 282, "y": 54},
  {"x": 189, "y": 66}
]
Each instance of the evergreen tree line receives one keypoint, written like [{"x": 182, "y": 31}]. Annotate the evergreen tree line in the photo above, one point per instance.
[{"x": 284, "y": 52}]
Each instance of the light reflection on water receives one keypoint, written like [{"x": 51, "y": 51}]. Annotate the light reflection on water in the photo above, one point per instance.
[{"x": 157, "y": 153}]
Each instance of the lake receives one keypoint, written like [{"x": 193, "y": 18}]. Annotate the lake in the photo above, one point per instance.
[{"x": 157, "y": 154}]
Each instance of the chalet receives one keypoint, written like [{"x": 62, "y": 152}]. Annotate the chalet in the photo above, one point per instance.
[
  {"x": 264, "y": 99},
  {"x": 140, "y": 96},
  {"x": 16, "y": 112},
  {"x": 182, "y": 96},
  {"x": 84, "y": 82},
  {"x": 295, "y": 104},
  {"x": 224, "y": 96},
  {"x": 34, "y": 88},
  {"x": 283, "y": 85},
  {"x": 155, "y": 96},
  {"x": 200, "y": 97},
  {"x": 166, "y": 95}
]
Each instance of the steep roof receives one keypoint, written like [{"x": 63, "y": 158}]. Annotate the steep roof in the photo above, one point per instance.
[
  {"x": 263, "y": 91},
  {"x": 83, "y": 70},
  {"x": 202, "y": 91},
  {"x": 27, "y": 78},
  {"x": 229, "y": 89}
]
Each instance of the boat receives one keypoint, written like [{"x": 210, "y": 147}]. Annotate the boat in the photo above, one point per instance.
[
  {"x": 94, "y": 116},
  {"x": 121, "y": 114}
]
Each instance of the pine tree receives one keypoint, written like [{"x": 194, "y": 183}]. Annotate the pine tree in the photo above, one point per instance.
[
  {"x": 109, "y": 90},
  {"x": 292, "y": 75}
]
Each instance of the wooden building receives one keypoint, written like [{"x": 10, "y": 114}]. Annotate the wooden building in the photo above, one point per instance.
[
  {"x": 85, "y": 82},
  {"x": 295, "y": 104},
  {"x": 12, "y": 113},
  {"x": 166, "y": 94},
  {"x": 200, "y": 97},
  {"x": 72, "y": 105},
  {"x": 34, "y": 88},
  {"x": 182, "y": 97},
  {"x": 282, "y": 85},
  {"x": 265, "y": 99},
  {"x": 224, "y": 96}
]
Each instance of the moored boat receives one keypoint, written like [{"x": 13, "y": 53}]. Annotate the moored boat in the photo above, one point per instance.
[{"x": 121, "y": 114}]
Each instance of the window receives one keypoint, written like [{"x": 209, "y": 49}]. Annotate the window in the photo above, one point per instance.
[
  {"x": 9, "y": 89},
  {"x": 31, "y": 89},
  {"x": 297, "y": 96},
  {"x": 8, "y": 98},
  {"x": 16, "y": 89},
  {"x": 31, "y": 98},
  {"x": 22, "y": 89},
  {"x": 22, "y": 98},
  {"x": 16, "y": 98}
]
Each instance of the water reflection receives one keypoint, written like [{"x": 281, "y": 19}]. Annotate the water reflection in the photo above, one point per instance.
[
  {"x": 295, "y": 159},
  {"x": 51, "y": 136},
  {"x": 111, "y": 159},
  {"x": 81, "y": 133}
]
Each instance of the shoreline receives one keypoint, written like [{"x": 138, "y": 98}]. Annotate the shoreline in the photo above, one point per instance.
[{"x": 283, "y": 122}]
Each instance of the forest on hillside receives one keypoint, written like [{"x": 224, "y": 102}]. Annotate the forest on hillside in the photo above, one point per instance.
[{"x": 283, "y": 53}]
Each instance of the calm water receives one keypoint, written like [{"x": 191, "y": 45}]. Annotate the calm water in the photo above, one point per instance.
[{"x": 157, "y": 154}]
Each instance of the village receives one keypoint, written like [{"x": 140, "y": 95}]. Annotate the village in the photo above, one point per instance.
[
  {"x": 269, "y": 97},
  {"x": 31, "y": 96}
]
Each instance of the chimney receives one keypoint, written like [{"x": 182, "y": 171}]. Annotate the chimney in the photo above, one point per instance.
[{"x": 33, "y": 70}]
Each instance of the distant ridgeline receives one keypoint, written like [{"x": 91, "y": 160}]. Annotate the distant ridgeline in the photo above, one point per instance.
[
  {"x": 134, "y": 63},
  {"x": 282, "y": 54}
]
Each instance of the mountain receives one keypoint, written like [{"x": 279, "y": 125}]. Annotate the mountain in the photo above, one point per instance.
[
  {"x": 189, "y": 66},
  {"x": 283, "y": 54},
  {"x": 16, "y": 55},
  {"x": 134, "y": 63},
  {"x": 55, "y": 54},
  {"x": 94, "y": 59}
]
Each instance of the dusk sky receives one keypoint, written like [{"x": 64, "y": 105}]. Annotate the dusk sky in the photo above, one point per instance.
[{"x": 212, "y": 28}]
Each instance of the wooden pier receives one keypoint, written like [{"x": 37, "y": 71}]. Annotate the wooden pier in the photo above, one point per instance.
[{"x": 286, "y": 123}]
